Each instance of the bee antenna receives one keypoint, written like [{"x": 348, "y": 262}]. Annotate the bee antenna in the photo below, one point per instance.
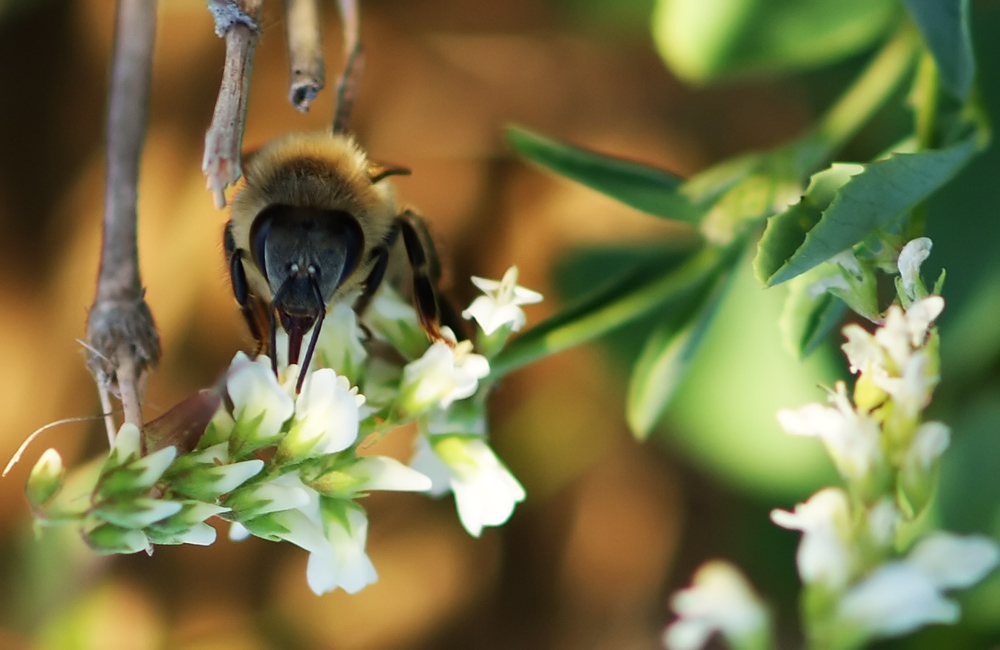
[{"x": 314, "y": 283}]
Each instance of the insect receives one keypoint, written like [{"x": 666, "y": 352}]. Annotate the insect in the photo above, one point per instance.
[{"x": 315, "y": 222}]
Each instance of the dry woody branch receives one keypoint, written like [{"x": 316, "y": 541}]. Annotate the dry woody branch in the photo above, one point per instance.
[
  {"x": 347, "y": 84},
  {"x": 305, "y": 52},
  {"x": 122, "y": 339},
  {"x": 238, "y": 21}
]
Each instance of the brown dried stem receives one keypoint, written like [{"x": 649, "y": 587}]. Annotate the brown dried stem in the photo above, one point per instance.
[
  {"x": 121, "y": 336},
  {"x": 305, "y": 52},
  {"x": 238, "y": 21},
  {"x": 347, "y": 85}
]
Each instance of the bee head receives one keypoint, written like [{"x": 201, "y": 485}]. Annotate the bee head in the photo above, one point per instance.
[{"x": 305, "y": 255}]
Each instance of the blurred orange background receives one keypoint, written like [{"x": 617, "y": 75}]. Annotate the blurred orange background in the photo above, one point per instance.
[{"x": 589, "y": 559}]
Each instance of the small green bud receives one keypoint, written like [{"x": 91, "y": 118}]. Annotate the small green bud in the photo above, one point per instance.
[
  {"x": 108, "y": 539},
  {"x": 136, "y": 513},
  {"x": 46, "y": 479}
]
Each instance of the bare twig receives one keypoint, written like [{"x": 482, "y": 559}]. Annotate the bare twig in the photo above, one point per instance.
[
  {"x": 121, "y": 335},
  {"x": 305, "y": 52},
  {"x": 347, "y": 85},
  {"x": 238, "y": 21}
]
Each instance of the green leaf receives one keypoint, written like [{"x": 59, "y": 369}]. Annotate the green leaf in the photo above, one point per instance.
[
  {"x": 704, "y": 40},
  {"x": 807, "y": 321},
  {"x": 643, "y": 187},
  {"x": 846, "y": 203},
  {"x": 630, "y": 296},
  {"x": 787, "y": 230},
  {"x": 665, "y": 359},
  {"x": 944, "y": 25}
]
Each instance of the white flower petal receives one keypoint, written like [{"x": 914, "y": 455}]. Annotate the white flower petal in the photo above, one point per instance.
[
  {"x": 442, "y": 375},
  {"x": 851, "y": 438},
  {"x": 863, "y": 353},
  {"x": 326, "y": 416},
  {"x": 430, "y": 465},
  {"x": 339, "y": 346},
  {"x": 237, "y": 532},
  {"x": 485, "y": 491},
  {"x": 954, "y": 562},
  {"x": 911, "y": 391},
  {"x": 342, "y": 562},
  {"x": 929, "y": 442},
  {"x": 385, "y": 473},
  {"x": 200, "y": 535},
  {"x": 894, "y": 337},
  {"x": 501, "y": 304},
  {"x": 255, "y": 392},
  {"x": 909, "y": 261},
  {"x": 719, "y": 599},
  {"x": 896, "y": 599},
  {"x": 921, "y": 315},
  {"x": 824, "y": 554}
]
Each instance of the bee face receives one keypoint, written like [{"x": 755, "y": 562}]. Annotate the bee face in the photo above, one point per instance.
[
  {"x": 314, "y": 222},
  {"x": 305, "y": 254}
]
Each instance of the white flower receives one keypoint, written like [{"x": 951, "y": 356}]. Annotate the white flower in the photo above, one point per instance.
[
  {"x": 824, "y": 553},
  {"x": 339, "y": 346},
  {"x": 442, "y": 375},
  {"x": 285, "y": 492},
  {"x": 905, "y": 331},
  {"x": 718, "y": 600},
  {"x": 896, "y": 599},
  {"x": 385, "y": 473},
  {"x": 863, "y": 352},
  {"x": 954, "y": 562},
  {"x": 258, "y": 399},
  {"x": 909, "y": 261},
  {"x": 485, "y": 491},
  {"x": 904, "y": 595},
  {"x": 921, "y": 315},
  {"x": 342, "y": 562},
  {"x": 394, "y": 320},
  {"x": 334, "y": 531},
  {"x": 912, "y": 390},
  {"x": 326, "y": 416},
  {"x": 929, "y": 442},
  {"x": 852, "y": 438},
  {"x": 501, "y": 304}
]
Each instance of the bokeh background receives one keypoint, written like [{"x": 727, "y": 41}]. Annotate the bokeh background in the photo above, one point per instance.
[{"x": 611, "y": 526}]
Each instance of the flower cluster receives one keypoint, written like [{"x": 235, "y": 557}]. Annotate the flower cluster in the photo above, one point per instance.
[
  {"x": 288, "y": 466},
  {"x": 858, "y": 584}
]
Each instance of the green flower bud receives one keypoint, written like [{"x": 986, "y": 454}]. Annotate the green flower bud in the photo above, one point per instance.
[
  {"x": 108, "y": 539},
  {"x": 136, "y": 513},
  {"x": 46, "y": 479}
]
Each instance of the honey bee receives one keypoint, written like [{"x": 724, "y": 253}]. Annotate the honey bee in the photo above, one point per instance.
[{"x": 314, "y": 222}]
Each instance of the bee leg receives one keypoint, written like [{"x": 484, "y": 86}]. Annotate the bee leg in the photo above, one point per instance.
[
  {"x": 249, "y": 305},
  {"x": 423, "y": 262},
  {"x": 374, "y": 280}
]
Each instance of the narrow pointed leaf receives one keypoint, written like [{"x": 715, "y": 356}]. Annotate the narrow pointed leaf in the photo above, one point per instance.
[
  {"x": 944, "y": 25},
  {"x": 665, "y": 359},
  {"x": 831, "y": 217},
  {"x": 622, "y": 301},
  {"x": 643, "y": 187}
]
